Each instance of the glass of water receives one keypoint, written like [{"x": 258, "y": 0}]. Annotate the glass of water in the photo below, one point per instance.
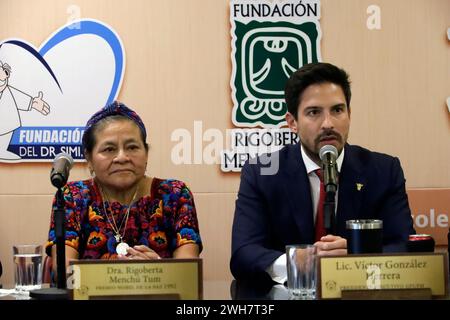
[
  {"x": 27, "y": 267},
  {"x": 301, "y": 271}
]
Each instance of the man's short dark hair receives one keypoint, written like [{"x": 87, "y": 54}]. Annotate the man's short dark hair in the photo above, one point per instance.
[{"x": 314, "y": 73}]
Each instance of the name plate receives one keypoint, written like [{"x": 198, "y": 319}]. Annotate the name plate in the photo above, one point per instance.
[
  {"x": 383, "y": 271},
  {"x": 136, "y": 279}
]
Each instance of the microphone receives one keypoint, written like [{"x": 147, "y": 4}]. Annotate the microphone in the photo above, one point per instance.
[
  {"x": 328, "y": 155},
  {"x": 62, "y": 164}
]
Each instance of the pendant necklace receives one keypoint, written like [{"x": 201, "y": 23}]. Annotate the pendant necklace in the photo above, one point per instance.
[{"x": 122, "y": 246}]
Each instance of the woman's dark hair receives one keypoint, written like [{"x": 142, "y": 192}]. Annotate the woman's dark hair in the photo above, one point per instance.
[
  {"x": 115, "y": 111},
  {"x": 314, "y": 73},
  {"x": 89, "y": 134}
]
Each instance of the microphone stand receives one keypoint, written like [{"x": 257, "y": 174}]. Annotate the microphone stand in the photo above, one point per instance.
[
  {"x": 60, "y": 292},
  {"x": 329, "y": 168},
  {"x": 329, "y": 206}
]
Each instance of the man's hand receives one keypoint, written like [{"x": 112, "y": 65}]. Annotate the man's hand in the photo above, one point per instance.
[
  {"x": 40, "y": 105},
  {"x": 331, "y": 245}
]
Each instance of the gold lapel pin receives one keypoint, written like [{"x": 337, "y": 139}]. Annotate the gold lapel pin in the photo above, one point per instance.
[{"x": 359, "y": 186}]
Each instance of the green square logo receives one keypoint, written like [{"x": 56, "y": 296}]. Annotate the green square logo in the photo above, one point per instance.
[{"x": 264, "y": 55}]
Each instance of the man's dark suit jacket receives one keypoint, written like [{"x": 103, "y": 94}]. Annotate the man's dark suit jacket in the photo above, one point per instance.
[{"x": 275, "y": 210}]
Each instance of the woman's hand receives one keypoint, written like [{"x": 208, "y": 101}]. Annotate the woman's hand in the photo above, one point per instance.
[{"x": 140, "y": 252}]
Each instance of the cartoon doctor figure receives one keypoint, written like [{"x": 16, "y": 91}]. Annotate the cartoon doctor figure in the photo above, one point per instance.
[{"x": 11, "y": 101}]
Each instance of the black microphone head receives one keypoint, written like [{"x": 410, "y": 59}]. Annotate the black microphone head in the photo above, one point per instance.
[
  {"x": 62, "y": 164},
  {"x": 65, "y": 156},
  {"x": 328, "y": 148}
]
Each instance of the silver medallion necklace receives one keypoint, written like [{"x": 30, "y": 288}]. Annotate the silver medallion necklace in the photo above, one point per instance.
[{"x": 122, "y": 246}]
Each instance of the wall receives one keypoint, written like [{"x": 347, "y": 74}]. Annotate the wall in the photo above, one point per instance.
[{"x": 178, "y": 71}]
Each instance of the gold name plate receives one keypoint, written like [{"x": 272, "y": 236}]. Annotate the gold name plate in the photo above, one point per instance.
[
  {"x": 136, "y": 279},
  {"x": 383, "y": 271}
]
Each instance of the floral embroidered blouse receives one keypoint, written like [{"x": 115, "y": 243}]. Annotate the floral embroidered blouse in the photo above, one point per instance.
[{"x": 164, "y": 220}]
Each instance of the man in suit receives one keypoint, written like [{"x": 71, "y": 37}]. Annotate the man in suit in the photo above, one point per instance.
[{"x": 278, "y": 209}]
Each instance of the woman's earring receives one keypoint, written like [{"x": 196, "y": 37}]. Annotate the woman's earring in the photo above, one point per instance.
[{"x": 92, "y": 172}]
